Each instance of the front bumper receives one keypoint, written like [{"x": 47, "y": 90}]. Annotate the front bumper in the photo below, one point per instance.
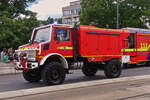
[{"x": 28, "y": 65}]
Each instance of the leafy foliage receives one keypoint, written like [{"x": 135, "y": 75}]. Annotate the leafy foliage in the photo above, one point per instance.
[
  {"x": 51, "y": 20},
  {"x": 14, "y": 29},
  {"x": 102, "y": 13}
]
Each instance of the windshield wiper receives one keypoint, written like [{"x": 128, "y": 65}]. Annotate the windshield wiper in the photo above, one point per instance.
[{"x": 36, "y": 41}]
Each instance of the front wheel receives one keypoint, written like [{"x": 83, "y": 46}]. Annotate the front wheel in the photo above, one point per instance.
[
  {"x": 113, "y": 69},
  {"x": 53, "y": 74},
  {"x": 32, "y": 75}
]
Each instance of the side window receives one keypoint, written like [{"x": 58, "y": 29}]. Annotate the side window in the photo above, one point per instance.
[
  {"x": 131, "y": 41},
  {"x": 62, "y": 34}
]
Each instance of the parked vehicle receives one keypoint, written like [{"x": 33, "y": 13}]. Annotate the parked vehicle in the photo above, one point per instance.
[
  {"x": 137, "y": 45},
  {"x": 55, "y": 50}
]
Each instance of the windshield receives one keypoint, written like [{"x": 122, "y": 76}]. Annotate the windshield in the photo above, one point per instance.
[{"x": 42, "y": 35}]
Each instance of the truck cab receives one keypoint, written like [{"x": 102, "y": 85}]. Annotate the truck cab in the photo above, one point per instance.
[{"x": 46, "y": 41}]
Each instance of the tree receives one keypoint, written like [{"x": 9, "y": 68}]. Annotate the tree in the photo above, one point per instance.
[
  {"x": 14, "y": 33},
  {"x": 51, "y": 20},
  {"x": 15, "y": 7},
  {"x": 59, "y": 20},
  {"x": 15, "y": 30},
  {"x": 102, "y": 13}
]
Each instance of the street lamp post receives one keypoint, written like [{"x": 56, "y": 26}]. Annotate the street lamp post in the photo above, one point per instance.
[{"x": 117, "y": 25}]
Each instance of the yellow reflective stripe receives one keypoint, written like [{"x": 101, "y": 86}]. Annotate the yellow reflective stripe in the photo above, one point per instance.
[
  {"x": 146, "y": 49},
  {"x": 143, "y": 60},
  {"x": 132, "y": 63},
  {"x": 65, "y": 48},
  {"x": 137, "y": 62},
  {"x": 39, "y": 57},
  {"x": 68, "y": 56},
  {"x": 100, "y": 55},
  {"x": 128, "y": 50},
  {"x": 62, "y": 47},
  {"x": 69, "y": 48},
  {"x": 132, "y": 50}
]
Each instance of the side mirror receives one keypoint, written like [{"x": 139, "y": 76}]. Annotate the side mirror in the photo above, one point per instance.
[{"x": 57, "y": 41}]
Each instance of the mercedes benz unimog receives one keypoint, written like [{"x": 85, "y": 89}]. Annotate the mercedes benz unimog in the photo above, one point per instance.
[{"x": 56, "y": 50}]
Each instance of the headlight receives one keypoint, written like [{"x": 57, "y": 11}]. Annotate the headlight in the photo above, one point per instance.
[{"x": 31, "y": 54}]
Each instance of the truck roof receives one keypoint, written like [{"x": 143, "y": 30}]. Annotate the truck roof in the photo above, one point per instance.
[
  {"x": 137, "y": 30},
  {"x": 56, "y": 25},
  {"x": 63, "y": 25},
  {"x": 103, "y": 29}
]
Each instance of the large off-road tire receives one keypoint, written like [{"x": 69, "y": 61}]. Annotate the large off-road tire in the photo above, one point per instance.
[
  {"x": 147, "y": 63},
  {"x": 113, "y": 69},
  {"x": 89, "y": 70},
  {"x": 32, "y": 75},
  {"x": 53, "y": 74}
]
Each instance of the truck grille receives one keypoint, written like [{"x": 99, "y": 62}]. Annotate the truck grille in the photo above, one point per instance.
[{"x": 30, "y": 54}]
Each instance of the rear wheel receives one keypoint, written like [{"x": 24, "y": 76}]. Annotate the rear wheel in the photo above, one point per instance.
[
  {"x": 113, "y": 69},
  {"x": 53, "y": 74},
  {"x": 147, "y": 63},
  {"x": 32, "y": 75},
  {"x": 89, "y": 70}
]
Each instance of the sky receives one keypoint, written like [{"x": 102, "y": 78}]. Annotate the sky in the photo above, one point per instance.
[{"x": 46, "y": 8}]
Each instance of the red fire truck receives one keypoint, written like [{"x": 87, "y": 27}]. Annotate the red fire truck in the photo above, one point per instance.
[
  {"x": 55, "y": 50},
  {"x": 137, "y": 45}
]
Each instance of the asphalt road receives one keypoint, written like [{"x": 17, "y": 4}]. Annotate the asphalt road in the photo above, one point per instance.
[
  {"x": 131, "y": 90},
  {"x": 16, "y": 82}
]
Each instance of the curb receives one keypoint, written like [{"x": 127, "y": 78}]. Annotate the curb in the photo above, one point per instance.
[
  {"x": 9, "y": 71},
  {"x": 26, "y": 92}
]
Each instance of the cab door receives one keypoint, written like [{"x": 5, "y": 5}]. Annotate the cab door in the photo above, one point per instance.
[{"x": 62, "y": 41}]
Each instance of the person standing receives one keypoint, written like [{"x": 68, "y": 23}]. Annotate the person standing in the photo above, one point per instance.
[
  {"x": 5, "y": 58},
  {"x": 3, "y": 53},
  {"x": 10, "y": 55}
]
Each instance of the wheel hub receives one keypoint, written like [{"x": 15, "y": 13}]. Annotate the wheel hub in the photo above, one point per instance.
[
  {"x": 114, "y": 69},
  {"x": 55, "y": 75}
]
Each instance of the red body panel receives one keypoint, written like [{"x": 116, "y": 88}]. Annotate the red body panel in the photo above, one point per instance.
[
  {"x": 100, "y": 44},
  {"x": 30, "y": 46},
  {"x": 141, "y": 51},
  {"x": 143, "y": 42}
]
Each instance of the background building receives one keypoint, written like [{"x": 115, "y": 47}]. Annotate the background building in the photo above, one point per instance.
[{"x": 71, "y": 13}]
